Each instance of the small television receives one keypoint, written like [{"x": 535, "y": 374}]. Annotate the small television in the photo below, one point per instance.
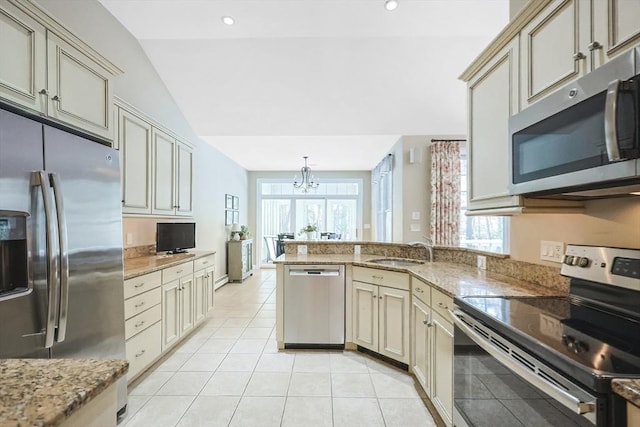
[{"x": 175, "y": 237}]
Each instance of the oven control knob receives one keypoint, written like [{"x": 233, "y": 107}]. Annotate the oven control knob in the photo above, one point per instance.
[{"x": 583, "y": 262}]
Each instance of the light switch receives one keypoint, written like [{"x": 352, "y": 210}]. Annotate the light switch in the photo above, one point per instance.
[
  {"x": 414, "y": 226},
  {"x": 129, "y": 238},
  {"x": 415, "y": 216},
  {"x": 302, "y": 249}
]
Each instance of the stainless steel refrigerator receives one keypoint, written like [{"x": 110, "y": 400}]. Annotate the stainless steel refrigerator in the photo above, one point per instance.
[{"x": 61, "y": 276}]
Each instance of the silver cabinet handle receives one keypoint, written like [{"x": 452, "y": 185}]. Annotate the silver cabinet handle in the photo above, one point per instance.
[
  {"x": 419, "y": 290},
  {"x": 378, "y": 277},
  {"x": 205, "y": 262},
  {"x": 139, "y": 305},
  {"x": 579, "y": 56},
  {"x": 139, "y": 285},
  {"x": 137, "y": 325},
  {"x": 610, "y": 113},
  {"x": 594, "y": 46},
  {"x": 64, "y": 257},
  {"x": 179, "y": 271},
  {"x": 141, "y": 353},
  {"x": 40, "y": 179},
  {"x": 441, "y": 305},
  {"x": 56, "y": 98}
]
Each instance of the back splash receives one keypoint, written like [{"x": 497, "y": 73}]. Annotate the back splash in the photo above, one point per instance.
[
  {"x": 542, "y": 275},
  {"x": 138, "y": 251}
]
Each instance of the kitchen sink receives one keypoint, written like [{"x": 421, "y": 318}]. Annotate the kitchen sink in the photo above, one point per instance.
[{"x": 394, "y": 262}]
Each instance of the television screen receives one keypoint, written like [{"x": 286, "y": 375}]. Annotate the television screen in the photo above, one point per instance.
[{"x": 175, "y": 237}]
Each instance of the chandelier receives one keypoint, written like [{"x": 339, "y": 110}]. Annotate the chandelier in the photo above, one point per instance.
[{"x": 307, "y": 181}]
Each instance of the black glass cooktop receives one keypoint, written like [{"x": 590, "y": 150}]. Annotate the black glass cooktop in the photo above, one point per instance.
[{"x": 564, "y": 332}]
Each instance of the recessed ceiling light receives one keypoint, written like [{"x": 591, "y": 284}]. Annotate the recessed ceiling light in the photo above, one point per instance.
[
  {"x": 391, "y": 4},
  {"x": 228, "y": 20}
]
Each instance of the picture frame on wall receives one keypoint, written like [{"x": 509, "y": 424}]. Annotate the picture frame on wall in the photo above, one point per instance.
[
  {"x": 236, "y": 217},
  {"x": 236, "y": 202},
  {"x": 228, "y": 217},
  {"x": 228, "y": 201}
]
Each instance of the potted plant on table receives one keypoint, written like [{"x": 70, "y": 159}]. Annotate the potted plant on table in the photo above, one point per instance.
[{"x": 310, "y": 230}]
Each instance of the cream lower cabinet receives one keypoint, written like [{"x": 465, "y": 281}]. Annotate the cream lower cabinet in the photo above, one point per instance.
[
  {"x": 203, "y": 283},
  {"x": 143, "y": 329},
  {"x": 381, "y": 313},
  {"x": 177, "y": 302},
  {"x": 432, "y": 346}
]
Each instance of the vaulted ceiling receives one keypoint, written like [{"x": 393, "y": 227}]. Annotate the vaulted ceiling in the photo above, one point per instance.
[{"x": 337, "y": 80}]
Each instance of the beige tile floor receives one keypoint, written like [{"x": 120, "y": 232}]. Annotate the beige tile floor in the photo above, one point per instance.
[{"x": 230, "y": 373}]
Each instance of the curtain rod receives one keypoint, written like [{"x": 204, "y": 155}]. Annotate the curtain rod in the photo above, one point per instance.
[{"x": 448, "y": 140}]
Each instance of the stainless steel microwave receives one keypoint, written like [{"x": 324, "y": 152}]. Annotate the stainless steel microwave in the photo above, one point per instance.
[{"x": 583, "y": 141}]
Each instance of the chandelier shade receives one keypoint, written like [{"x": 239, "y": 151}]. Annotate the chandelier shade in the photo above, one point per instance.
[{"x": 307, "y": 181}]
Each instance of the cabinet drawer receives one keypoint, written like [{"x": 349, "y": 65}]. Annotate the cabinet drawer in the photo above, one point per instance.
[
  {"x": 142, "y": 321},
  {"x": 142, "y": 302},
  {"x": 172, "y": 273},
  {"x": 143, "y": 349},
  {"x": 204, "y": 262},
  {"x": 441, "y": 303},
  {"x": 421, "y": 290},
  {"x": 392, "y": 279},
  {"x": 138, "y": 285}
]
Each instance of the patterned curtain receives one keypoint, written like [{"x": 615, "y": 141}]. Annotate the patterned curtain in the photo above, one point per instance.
[{"x": 445, "y": 193}]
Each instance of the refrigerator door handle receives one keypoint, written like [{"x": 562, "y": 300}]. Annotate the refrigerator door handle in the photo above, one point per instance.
[
  {"x": 40, "y": 179},
  {"x": 64, "y": 257}
]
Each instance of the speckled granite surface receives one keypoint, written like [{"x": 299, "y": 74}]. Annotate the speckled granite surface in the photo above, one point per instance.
[
  {"x": 134, "y": 267},
  {"x": 543, "y": 275},
  {"x": 451, "y": 278},
  {"x": 629, "y": 389},
  {"x": 45, "y": 392}
]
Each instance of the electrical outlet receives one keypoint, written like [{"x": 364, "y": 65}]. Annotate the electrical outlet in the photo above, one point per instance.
[
  {"x": 302, "y": 249},
  {"x": 414, "y": 226},
  {"x": 356, "y": 249},
  {"x": 551, "y": 251},
  {"x": 482, "y": 262},
  {"x": 129, "y": 238}
]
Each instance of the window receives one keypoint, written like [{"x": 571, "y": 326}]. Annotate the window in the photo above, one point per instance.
[
  {"x": 485, "y": 233},
  {"x": 382, "y": 183},
  {"x": 336, "y": 207}
]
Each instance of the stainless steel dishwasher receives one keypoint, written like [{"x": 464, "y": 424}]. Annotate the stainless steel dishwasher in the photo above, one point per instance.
[{"x": 314, "y": 306}]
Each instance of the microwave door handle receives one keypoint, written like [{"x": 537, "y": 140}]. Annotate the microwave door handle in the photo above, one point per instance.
[
  {"x": 610, "y": 114},
  {"x": 40, "y": 179},
  {"x": 569, "y": 401},
  {"x": 64, "y": 257}
]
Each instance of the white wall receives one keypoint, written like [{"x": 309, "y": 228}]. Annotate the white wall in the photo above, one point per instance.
[{"x": 141, "y": 86}]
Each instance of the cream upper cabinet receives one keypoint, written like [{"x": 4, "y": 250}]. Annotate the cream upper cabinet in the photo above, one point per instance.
[
  {"x": 22, "y": 39},
  {"x": 135, "y": 151},
  {"x": 157, "y": 168},
  {"x": 52, "y": 72},
  {"x": 184, "y": 179},
  {"x": 616, "y": 28},
  {"x": 553, "y": 48},
  {"x": 163, "y": 155},
  {"x": 493, "y": 98},
  {"x": 570, "y": 38},
  {"x": 80, "y": 91}
]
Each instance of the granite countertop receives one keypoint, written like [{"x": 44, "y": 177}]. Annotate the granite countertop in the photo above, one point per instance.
[
  {"x": 450, "y": 278},
  {"x": 45, "y": 392},
  {"x": 627, "y": 388},
  {"x": 134, "y": 267}
]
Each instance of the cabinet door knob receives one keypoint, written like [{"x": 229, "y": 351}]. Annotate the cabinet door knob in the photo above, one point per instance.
[
  {"x": 56, "y": 98},
  {"x": 380, "y": 297},
  {"x": 44, "y": 92},
  {"x": 594, "y": 46},
  {"x": 578, "y": 56},
  {"x": 375, "y": 296}
]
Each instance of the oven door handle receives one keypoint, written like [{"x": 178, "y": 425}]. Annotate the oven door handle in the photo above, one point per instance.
[{"x": 566, "y": 399}]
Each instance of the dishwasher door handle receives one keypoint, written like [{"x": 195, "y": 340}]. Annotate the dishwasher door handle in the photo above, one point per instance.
[{"x": 314, "y": 273}]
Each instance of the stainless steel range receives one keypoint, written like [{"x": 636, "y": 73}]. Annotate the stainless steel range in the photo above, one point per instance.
[{"x": 550, "y": 360}]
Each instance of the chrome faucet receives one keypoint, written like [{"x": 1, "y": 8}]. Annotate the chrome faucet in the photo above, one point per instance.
[{"x": 427, "y": 244}]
